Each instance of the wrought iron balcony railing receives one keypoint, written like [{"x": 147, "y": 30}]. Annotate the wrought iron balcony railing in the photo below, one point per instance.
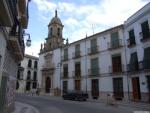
[
  {"x": 76, "y": 54},
  {"x": 115, "y": 44},
  {"x": 76, "y": 74},
  {"x": 94, "y": 72},
  {"x": 93, "y": 50},
  {"x": 116, "y": 69}
]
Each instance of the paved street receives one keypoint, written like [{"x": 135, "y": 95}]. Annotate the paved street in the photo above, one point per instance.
[{"x": 58, "y": 105}]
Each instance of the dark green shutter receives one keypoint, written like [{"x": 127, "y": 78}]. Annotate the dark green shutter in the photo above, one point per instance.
[
  {"x": 114, "y": 39},
  {"x": 94, "y": 66},
  {"x": 145, "y": 29}
]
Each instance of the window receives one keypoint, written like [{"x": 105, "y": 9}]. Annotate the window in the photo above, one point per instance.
[
  {"x": 146, "y": 60},
  {"x": 133, "y": 66},
  {"x": 145, "y": 30},
  {"x": 28, "y": 75},
  {"x": 94, "y": 45},
  {"x": 51, "y": 31},
  {"x": 77, "y": 50},
  {"x": 0, "y": 60},
  {"x": 35, "y": 64},
  {"x": 18, "y": 74},
  {"x": 35, "y": 76},
  {"x": 77, "y": 69},
  {"x": 114, "y": 39},
  {"x": 131, "y": 37},
  {"x": 94, "y": 66},
  {"x": 34, "y": 80},
  {"x": 58, "y": 31},
  {"x": 116, "y": 63},
  {"x": 65, "y": 70},
  {"x": 66, "y": 54},
  {"x": 30, "y": 63}
]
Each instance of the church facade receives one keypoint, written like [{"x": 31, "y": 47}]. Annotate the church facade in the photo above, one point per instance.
[{"x": 113, "y": 62}]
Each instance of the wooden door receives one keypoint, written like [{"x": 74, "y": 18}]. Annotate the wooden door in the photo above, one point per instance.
[
  {"x": 95, "y": 88},
  {"x": 77, "y": 84},
  {"x": 136, "y": 88},
  {"x": 48, "y": 85},
  {"x": 118, "y": 88},
  {"x": 116, "y": 64}
]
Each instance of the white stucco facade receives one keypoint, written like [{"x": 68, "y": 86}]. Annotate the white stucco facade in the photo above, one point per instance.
[
  {"x": 27, "y": 74},
  {"x": 111, "y": 57}
]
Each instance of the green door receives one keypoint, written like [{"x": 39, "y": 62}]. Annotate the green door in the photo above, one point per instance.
[{"x": 3, "y": 93}]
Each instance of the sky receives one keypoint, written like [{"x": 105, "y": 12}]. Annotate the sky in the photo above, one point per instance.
[{"x": 79, "y": 17}]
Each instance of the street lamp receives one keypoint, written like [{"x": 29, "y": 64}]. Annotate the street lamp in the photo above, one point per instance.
[{"x": 28, "y": 41}]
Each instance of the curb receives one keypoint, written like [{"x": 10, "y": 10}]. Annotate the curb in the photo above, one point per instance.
[{"x": 24, "y": 105}]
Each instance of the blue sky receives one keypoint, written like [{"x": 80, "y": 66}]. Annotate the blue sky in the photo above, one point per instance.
[{"x": 78, "y": 17}]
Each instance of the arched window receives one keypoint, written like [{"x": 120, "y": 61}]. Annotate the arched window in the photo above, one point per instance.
[
  {"x": 34, "y": 85},
  {"x": 58, "y": 31},
  {"x": 35, "y": 76},
  {"x": 28, "y": 83},
  {"x": 35, "y": 64},
  {"x": 29, "y": 63},
  {"x": 28, "y": 75}
]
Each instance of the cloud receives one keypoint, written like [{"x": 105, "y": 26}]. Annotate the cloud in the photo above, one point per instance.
[{"x": 34, "y": 49}]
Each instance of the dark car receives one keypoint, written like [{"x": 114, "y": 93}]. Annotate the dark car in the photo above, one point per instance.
[{"x": 75, "y": 95}]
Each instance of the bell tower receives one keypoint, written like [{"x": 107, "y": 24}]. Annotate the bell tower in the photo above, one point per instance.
[{"x": 55, "y": 34}]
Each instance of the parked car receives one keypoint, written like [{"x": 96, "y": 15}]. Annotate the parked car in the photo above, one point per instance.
[{"x": 75, "y": 95}]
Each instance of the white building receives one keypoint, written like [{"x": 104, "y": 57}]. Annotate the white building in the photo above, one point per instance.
[
  {"x": 27, "y": 75},
  {"x": 137, "y": 36},
  {"x": 97, "y": 64}
]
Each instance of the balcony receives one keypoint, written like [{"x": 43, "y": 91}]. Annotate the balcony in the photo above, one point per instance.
[
  {"x": 65, "y": 75},
  {"x": 146, "y": 64},
  {"x": 94, "y": 72},
  {"x": 144, "y": 36},
  {"x": 76, "y": 74},
  {"x": 133, "y": 67},
  {"x": 93, "y": 50},
  {"x": 116, "y": 69},
  {"x": 115, "y": 44},
  {"x": 76, "y": 54},
  {"x": 65, "y": 58},
  {"x": 131, "y": 42},
  {"x": 16, "y": 43}
]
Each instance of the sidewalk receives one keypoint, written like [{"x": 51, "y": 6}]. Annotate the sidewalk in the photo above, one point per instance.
[
  {"x": 131, "y": 104},
  {"x": 24, "y": 108}
]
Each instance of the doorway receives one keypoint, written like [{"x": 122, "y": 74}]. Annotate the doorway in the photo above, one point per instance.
[
  {"x": 47, "y": 84},
  {"x": 95, "y": 88},
  {"x": 136, "y": 88},
  {"x": 118, "y": 88}
]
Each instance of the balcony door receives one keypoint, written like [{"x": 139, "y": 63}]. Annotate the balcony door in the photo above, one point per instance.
[
  {"x": 114, "y": 40},
  {"x": 116, "y": 63},
  {"x": 77, "y": 69}
]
